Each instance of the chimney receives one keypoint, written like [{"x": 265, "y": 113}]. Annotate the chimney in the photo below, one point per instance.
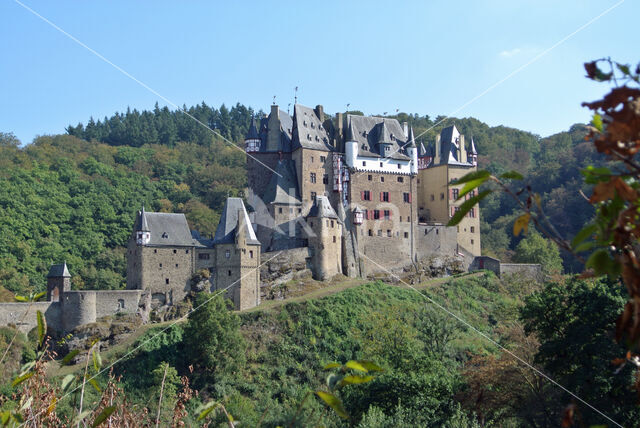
[
  {"x": 436, "y": 158},
  {"x": 405, "y": 128},
  {"x": 320, "y": 112},
  {"x": 275, "y": 110}
]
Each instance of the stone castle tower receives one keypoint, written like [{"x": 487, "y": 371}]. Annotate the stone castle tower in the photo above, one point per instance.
[
  {"x": 58, "y": 282},
  {"x": 237, "y": 256},
  {"x": 325, "y": 243}
]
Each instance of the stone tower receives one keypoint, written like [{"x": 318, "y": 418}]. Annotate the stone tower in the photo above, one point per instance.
[
  {"x": 58, "y": 282},
  {"x": 326, "y": 242},
  {"x": 237, "y": 256}
]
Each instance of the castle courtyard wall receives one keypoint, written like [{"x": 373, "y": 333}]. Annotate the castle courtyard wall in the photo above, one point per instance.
[
  {"x": 117, "y": 301},
  {"x": 23, "y": 315}
]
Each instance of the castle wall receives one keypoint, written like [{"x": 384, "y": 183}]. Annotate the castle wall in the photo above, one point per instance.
[
  {"x": 469, "y": 227},
  {"x": 529, "y": 270},
  {"x": 134, "y": 264},
  {"x": 435, "y": 238},
  {"x": 116, "y": 301},
  {"x": 23, "y": 315},
  {"x": 385, "y": 243},
  {"x": 204, "y": 258}
]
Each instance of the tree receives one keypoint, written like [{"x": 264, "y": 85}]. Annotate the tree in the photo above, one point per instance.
[
  {"x": 536, "y": 249},
  {"x": 574, "y": 322},
  {"x": 212, "y": 339}
]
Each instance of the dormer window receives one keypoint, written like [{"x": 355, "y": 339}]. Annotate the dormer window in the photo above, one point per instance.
[
  {"x": 313, "y": 125},
  {"x": 165, "y": 235},
  {"x": 304, "y": 123}
]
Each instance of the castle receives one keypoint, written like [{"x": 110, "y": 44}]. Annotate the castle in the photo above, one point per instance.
[
  {"x": 356, "y": 193},
  {"x": 351, "y": 195}
]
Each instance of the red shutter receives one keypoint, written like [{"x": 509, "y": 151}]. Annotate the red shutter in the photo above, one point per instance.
[
  {"x": 381, "y": 197},
  {"x": 409, "y": 197},
  {"x": 362, "y": 195},
  {"x": 453, "y": 211},
  {"x": 390, "y": 214},
  {"x": 451, "y": 194}
]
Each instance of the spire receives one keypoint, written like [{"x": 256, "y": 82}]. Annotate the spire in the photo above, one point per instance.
[
  {"x": 252, "y": 134},
  {"x": 59, "y": 271},
  {"x": 144, "y": 227},
  {"x": 350, "y": 134},
  {"x": 473, "y": 147},
  {"x": 385, "y": 136},
  {"x": 411, "y": 140}
]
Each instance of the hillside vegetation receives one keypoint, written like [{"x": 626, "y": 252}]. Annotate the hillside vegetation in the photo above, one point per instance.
[{"x": 73, "y": 197}]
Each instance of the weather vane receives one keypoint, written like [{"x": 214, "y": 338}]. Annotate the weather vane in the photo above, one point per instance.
[{"x": 295, "y": 96}]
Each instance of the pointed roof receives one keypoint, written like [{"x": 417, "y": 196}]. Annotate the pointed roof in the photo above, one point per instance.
[
  {"x": 144, "y": 226},
  {"x": 59, "y": 271},
  {"x": 473, "y": 147},
  {"x": 283, "y": 186},
  {"x": 422, "y": 151},
  {"x": 308, "y": 130},
  {"x": 322, "y": 208},
  {"x": 252, "y": 134},
  {"x": 384, "y": 136},
  {"x": 350, "y": 134},
  {"x": 234, "y": 221},
  {"x": 411, "y": 139},
  {"x": 366, "y": 133}
]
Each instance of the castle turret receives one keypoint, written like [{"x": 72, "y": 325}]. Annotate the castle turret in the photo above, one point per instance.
[
  {"x": 384, "y": 140},
  {"x": 143, "y": 234},
  {"x": 252, "y": 139},
  {"x": 351, "y": 147},
  {"x": 58, "y": 282},
  {"x": 412, "y": 151},
  {"x": 472, "y": 156},
  {"x": 237, "y": 256},
  {"x": 325, "y": 243}
]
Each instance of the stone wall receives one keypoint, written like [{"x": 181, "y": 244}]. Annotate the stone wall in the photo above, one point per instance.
[
  {"x": 435, "y": 238},
  {"x": 117, "y": 301},
  {"x": 167, "y": 272},
  {"x": 282, "y": 266},
  {"x": 78, "y": 308},
  {"x": 316, "y": 162},
  {"x": 325, "y": 247},
  {"x": 259, "y": 175},
  {"x": 531, "y": 270},
  {"x": 23, "y": 315}
]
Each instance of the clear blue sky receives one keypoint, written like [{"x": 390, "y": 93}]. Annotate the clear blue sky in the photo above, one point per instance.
[{"x": 417, "y": 56}]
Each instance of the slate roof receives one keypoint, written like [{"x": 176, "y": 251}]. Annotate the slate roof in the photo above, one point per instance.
[
  {"x": 166, "y": 229},
  {"x": 411, "y": 139},
  {"x": 226, "y": 231},
  {"x": 366, "y": 131},
  {"x": 58, "y": 271},
  {"x": 252, "y": 134},
  {"x": 286, "y": 125},
  {"x": 449, "y": 144},
  {"x": 308, "y": 131},
  {"x": 473, "y": 150},
  {"x": 322, "y": 208},
  {"x": 283, "y": 186},
  {"x": 422, "y": 151}
]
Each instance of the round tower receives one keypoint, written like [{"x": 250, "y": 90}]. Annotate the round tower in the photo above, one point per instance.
[
  {"x": 252, "y": 139},
  {"x": 351, "y": 147},
  {"x": 326, "y": 241}
]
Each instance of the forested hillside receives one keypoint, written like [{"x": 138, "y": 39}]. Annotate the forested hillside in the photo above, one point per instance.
[{"x": 73, "y": 197}]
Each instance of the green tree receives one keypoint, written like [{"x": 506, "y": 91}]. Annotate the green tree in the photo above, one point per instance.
[
  {"x": 172, "y": 383},
  {"x": 212, "y": 339},
  {"x": 536, "y": 249},
  {"x": 574, "y": 322}
]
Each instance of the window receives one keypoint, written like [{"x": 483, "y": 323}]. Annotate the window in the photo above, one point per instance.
[
  {"x": 280, "y": 210},
  {"x": 473, "y": 229},
  {"x": 455, "y": 193},
  {"x": 369, "y": 177},
  {"x": 166, "y": 280},
  {"x": 299, "y": 210},
  {"x": 160, "y": 264},
  {"x": 175, "y": 251},
  {"x": 313, "y": 196},
  {"x": 432, "y": 198},
  {"x": 313, "y": 177},
  {"x": 165, "y": 235},
  {"x": 228, "y": 273},
  {"x": 332, "y": 223},
  {"x": 250, "y": 254},
  {"x": 388, "y": 233},
  {"x": 366, "y": 195},
  {"x": 376, "y": 214},
  {"x": 382, "y": 179},
  {"x": 186, "y": 251},
  {"x": 379, "y": 232},
  {"x": 364, "y": 163},
  {"x": 399, "y": 166},
  {"x": 387, "y": 214},
  {"x": 442, "y": 196},
  {"x": 334, "y": 239},
  {"x": 176, "y": 264},
  {"x": 323, "y": 158},
  {"x": 406, "y": 235},
  {"x": 472, "y": 213},
  {"x": 325, "y": 179},
  {"x": 400, "y": 219},
  {"x": 155, "y": 251},
  {"x": 311, "y": 156},
  {"x": 384, "y": 197},
  {"x": 406, "y": 197},
  {"x": 472, "y": 242},
  {"x": 203, "y": 256},
  {"x": 400, "y": 179},
  {"x": 227, "y": 254},
  {"x": 370, "y": 232},
  {"x": 380, "y": 164}
]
